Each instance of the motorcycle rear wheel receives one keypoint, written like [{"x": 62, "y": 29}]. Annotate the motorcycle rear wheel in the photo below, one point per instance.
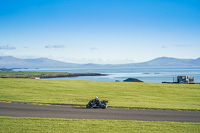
[{"x": 88, "y": 106}]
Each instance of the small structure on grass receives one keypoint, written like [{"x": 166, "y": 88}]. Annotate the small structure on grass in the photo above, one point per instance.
[
  {"x": 184, "y": 79},
  {"x": 132, "y": 80}
]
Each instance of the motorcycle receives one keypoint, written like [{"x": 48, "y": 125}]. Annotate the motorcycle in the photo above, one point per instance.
[{"x": 92, "y": 104}]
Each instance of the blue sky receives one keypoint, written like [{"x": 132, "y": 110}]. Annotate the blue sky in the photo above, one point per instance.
[{"x": 100, "y": 31}]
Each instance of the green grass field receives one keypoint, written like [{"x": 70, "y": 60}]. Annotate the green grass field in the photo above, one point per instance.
[
  {"x": 27, "y": 125},
  {"x": 119, "y": 94}
]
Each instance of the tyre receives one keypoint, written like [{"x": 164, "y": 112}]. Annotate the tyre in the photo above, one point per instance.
[
  {"x": 88, "y": 106},
  {"x": 104, "y": 107}
]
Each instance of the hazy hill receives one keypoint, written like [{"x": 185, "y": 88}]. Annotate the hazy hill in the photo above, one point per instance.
[
  {"x": 166, "y": 61},
  {"x": 195, "y": 62},
  {"x": 12, "y": 62}
]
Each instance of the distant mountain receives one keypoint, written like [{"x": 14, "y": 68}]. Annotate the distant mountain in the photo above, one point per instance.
[
  {"x": 169, "y": 62},
  {"x": 164, "y": 62},
  {"x": 195, "y": 62},
  {"x": 12, "y": 62}
]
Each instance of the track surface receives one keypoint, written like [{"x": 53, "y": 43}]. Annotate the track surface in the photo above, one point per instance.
[{"x": 72, "y": 112}]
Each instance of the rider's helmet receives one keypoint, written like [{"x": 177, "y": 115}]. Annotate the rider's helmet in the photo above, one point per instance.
[{"x": 96, "y": 98}]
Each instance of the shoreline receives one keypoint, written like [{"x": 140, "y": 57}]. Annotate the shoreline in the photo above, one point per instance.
[
  {"x": 75, "y": 75},
  {"x": 38, "y": 75}
]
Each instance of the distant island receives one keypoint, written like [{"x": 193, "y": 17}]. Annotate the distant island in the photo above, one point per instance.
[
  {"x": 6, "y": 69},
  {"x": 38, "y": 75}
]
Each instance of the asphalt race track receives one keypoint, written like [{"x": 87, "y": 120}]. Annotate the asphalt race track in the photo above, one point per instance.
[{"x": 73, "y": 112}]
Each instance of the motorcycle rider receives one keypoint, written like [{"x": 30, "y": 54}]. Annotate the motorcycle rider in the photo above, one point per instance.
[{"x": 97, "y": 101}]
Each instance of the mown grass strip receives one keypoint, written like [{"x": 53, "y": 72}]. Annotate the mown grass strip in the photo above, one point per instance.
[
  {"x": 119, "y": 94},
  {"x": 24, "y": 125}
]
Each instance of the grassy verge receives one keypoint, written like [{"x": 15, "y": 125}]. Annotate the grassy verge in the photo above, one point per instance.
[
  {"x": 44, "y": 74},
  {"x": 119, "y": 94},
  {"x": 17, "y": 124}
]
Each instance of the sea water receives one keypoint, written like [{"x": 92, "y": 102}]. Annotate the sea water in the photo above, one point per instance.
[{"x": 154, "y": 75}]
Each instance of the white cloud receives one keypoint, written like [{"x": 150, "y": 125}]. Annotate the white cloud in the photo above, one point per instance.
[
  {"x": 54, "y": 46},
  {"x": 164, "y": 47},
  {"x": 93, "y": 49},
  {"x": 7, "y": 47}
]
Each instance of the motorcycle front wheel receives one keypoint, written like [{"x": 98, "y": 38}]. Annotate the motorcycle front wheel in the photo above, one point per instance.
[{"x": 104, "y": 107}]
